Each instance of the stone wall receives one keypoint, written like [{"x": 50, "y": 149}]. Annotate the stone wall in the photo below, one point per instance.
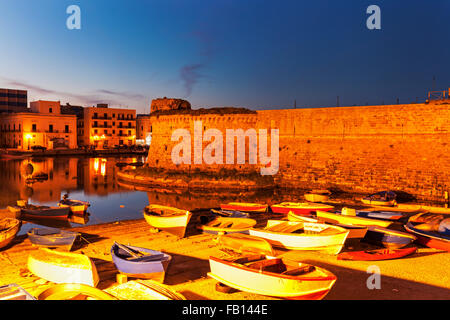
[
  {"x": 164, "y": 104},
  {"x": 355, "y": 149}
]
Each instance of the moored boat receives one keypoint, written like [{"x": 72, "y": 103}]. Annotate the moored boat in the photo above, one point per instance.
[
  {"x": 9, "y": 227},
  {"x": 391, "y": 239},
  {"x": 317, "y": 196},
  {"x": 428, "y": 227},
  {"x": 63, "y": 267},
  {"x": 338, "y": 218},
  {"x": 140, "y": 262},
  {"x": 243, "y": 206},
  {"x": 223, "y": 225},
  {"x": 303, "y": 235},
  {"x": 244, "y": 243},
  {"x": 44, "y": 212},
  {"x": 378, "y": 254},
  {"x": 52, "y": 238},
  {"x": 299, "y": 208},
  {"x": 230, "y": 213},
  {"x": 273, "y": 277},
  {"x": 172, "y": 220},
  {"x": 383, "y": 198},
  {"x": 384, "y": 215},
  {"x": 76, "y": 206},
  {"x": 144, "y": 290}
]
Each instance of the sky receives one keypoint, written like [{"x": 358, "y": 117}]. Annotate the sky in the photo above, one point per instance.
[{"x": 256, "y": 54}]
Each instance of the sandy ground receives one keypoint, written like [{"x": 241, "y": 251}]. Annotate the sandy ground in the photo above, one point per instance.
[{"x": 423, "y": 275}]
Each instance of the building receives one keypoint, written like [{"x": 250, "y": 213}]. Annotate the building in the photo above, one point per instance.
[
  {"x": 103, "y": 127},
  {"x": 143, "y": 129},
  {"x": 12, "y": 100},
  {"x": 42, "y": 125}
]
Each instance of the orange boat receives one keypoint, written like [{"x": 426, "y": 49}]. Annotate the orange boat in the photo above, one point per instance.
[{"x": 244, "y": 206}]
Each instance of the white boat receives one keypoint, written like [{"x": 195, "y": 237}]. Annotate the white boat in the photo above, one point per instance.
[
  {"x": 172, "y": 220},
  {"x": 76, "y": 206},
  {"x": 63, "y": 267},
  {"x": 317, "y": 196},
  {"x": 338, "y": 218},
  {"x": 144, "y": 290},
  {"x": 296, "y": 235},
  {"x": 273, "y": 277}
]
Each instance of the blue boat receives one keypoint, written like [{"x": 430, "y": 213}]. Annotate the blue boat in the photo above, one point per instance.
[
  {"x": 383, "y": 215},
  {"x": 140, "y": 262},
  {"x": 52, "y": 238},
  {"x": 388, "y": 238},
  {"x": 230, "y": 213}
]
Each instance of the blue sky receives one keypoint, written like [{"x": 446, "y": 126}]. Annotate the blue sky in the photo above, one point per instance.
[{"x": 249, "y": 53}]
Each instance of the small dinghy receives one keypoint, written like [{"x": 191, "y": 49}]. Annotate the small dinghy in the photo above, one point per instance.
[
  {"x": 76, "y": 206},
  {"x": 388, "y": 238},
  {"x": 338, "y": 218},
  {"x": 14, "y": 292},
  {"x": 144, "y": 290},
  {"x": 273, "y": 277},
  {"x": 303, "y": 236},
  {"x": 383, "y": 198},
  {"x": 383, "y": 215},
  {"x": 52, "y": 238},
  {"x": 139, "y": 262},
  {"x": 431, "y": 230},
  {"x": 230, "y": 213},
  {"x": 243, "y": 206},
  {"x": 172, "y": 220},
  {"x": 317, "y": 196},
  {"x": 244, "y": 244},
  {"x": 43, "y": 212},
  {"x": 9, "y": 227},
  {"x": 63, "y": 267},
  {"x": 379, "y": 254},
  {"x": 222, "y": 225},
  {"x": 299, "y": 208}
]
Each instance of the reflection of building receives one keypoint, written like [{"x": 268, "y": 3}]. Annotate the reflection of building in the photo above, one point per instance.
[
  {"x": 143, "y": 129},
  {"x": 13, "y": 100},
  {"x": 99, "y": 176},
  {"x": 43, "y": 126},
  {"x": 105, "y": 127}
]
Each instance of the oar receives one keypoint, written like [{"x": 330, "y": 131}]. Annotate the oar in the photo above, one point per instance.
[
  {"x": 139, "y": 254},
  {"x": 136, "y": 254}
]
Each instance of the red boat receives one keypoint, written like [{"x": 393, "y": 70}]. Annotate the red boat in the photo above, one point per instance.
[
  {"x": 300, "y": 208},
  {"x": 428, "y": 238},
  {"x": 243, "y": 206},
  {"x": 380, "y": 254}
]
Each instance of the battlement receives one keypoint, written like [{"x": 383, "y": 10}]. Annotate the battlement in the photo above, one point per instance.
[{"x": 165, "y": 104}]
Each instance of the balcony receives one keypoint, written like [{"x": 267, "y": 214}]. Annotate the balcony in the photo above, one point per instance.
[
  {"x": 101, "y": 118},
  {"x": 100, "y": 126}
]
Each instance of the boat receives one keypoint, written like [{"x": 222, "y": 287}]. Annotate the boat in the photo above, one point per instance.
[
  {"x": 273, "y": 277},
  {"x": 63, "y": 267},
  {"x": 383, "y": 215},
  {"x": 74, "y": 291},
  {"x": 9, "y": 227},
  {"x": 300, "y": 208},
  {"x": 15, "y": 210},
  {"x": 378, "y": 254},
  {"x": 338, "y": 218},
  {"x": 243, "y": 206},
  {"x": 317, "y": 196},
  {"x": 223, "y": 225},
  {"x": 355, "y": 231},
  {"x": 426, "y": 227},
  {"x": 52, "y": 238},
  {"x": 140, "y": 262},
  {"x": 245, "y": 244},
  {"x": 230, "y": 213},
  {"x": 303, "y": 235},
  {"x": 391, "y": 239},
  {"x": 144, "y": 290},
  {"x": 76, "y": 206},
  {"x": 14, "y": 292},
  {"x": 172, "y": 220},
  {"x": 383, "y": 198},
  {"x": 44, "y": 212}
]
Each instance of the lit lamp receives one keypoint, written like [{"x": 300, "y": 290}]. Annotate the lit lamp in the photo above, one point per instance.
[{"x": 28, "y": 137}]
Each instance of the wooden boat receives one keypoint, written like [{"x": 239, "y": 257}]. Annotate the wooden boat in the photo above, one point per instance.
[
  {"x": 391, "y": 239},
  {"x": 303, "y": 235},
  {"x": 354, "y": 231},
  {"x": 63, "y": 267},
  {"x": 317, "y": 196},
  {"x": 15, "y": 210},
  {"x": 273, "y": 277},
  {"x": 14, "y": 292},
  {"x": 52, "y": 238},
  {"x": 244, "y": 243},
  {"x": 243, "y": 206},
  {"x": 383, "y": 215},
  {"x": 300, "y": 208},
  {"x": 338, "y": 218},
  {"x": 76, "y": 206},
  {"x": 144, "y": 290},
  {"x": 74, "y": 291},
  {"x": 172, "y": 220},
  {"x": 230, "y": 213},
  {"x": 44, "y": 212},
  {"x": 379, "y": 254},
  {"x": 9, "y": 227},
  {"x": 223, "y": 225},
  {"x": 427, "y": 233},
  {"x": 140, "y": 262},
  {"x": 383, "y": 198}
]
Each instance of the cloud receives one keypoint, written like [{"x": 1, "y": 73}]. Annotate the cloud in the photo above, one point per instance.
[{"x": 190, "y": 75}]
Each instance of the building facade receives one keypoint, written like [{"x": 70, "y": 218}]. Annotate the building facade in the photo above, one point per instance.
[
  {"x": 143, "y": 129},
  {"x": 103, "y": 127},
  {"x": 12, "y": 100},
  {"x": 43, "y": 125}
]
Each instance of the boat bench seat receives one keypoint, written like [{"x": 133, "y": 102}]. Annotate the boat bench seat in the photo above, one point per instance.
[{"x": 299, "y": 271}]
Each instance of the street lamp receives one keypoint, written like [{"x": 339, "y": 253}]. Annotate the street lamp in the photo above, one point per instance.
[{"x": 28, "y": 137}]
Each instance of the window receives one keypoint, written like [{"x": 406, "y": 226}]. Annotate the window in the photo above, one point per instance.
[
  {"x": 95, "y": 115},
  {"x": 105, "y": 124},
  {"x": 95, "y": 131},
  {"x": 106, "y": 131},
  {"x": 34, "y": 127},
  {"x": 50, "y": 110},
  {"x": 67, "y": 129},
  {"x": 50, "y": 128},
  {"x": 129, "y": 132},
  {"x": 105, "y": 115},
  {"x": 114, "y": 115},
  {"x": 129, "y": 124}
]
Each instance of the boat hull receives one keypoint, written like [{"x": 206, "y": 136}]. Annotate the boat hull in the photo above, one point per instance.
[
  {"x": 52, "y": 238},
  {"x": 12, "y": 227},
  {"x": 246, "y": 207},
  {"x": 388, "y": 238},
  {"x": 299, "y": 208},
  {"x": 46, "y": 213},
  {"x": 223, "y": 225},
  {"x": 63, "y": 267},
  {"x": 270, "y": 284},
  {"x": 174, "y": 224},
  {"x": 429, "y": 239},
  {"x": 351, "y": 220},
  {"x": 375, "y": 255},
  {"x": 315, "y": 197}
]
